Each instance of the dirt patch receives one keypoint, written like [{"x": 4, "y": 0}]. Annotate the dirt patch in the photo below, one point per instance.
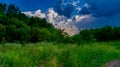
[{"x": 114, "y": 63}]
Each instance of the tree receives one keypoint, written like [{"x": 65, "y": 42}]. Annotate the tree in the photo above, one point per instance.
[
  {"x": 17, "y": 31},
  {"x": 12, "y": 11},
  {"x": 3, "y": 7},
  {"x": 23, "y": 18},
  {"x": 2, "y": 32}
]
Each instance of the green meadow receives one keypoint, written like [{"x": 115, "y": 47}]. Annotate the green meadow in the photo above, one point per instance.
[{"x": 52, "y": 54}]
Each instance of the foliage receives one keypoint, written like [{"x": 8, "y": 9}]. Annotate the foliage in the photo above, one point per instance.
[
  {"x": 2, "y": 32},
  {"x": 17, "y": 27},
  {"x": 106, "y": 33}
]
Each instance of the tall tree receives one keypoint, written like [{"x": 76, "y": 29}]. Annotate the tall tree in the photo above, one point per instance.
[
  {"x": 12, "y": 10},
  {"x": 3, "y": 7}
]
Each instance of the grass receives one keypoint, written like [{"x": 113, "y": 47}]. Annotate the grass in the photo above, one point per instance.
[{"x": 58, "y": 55}]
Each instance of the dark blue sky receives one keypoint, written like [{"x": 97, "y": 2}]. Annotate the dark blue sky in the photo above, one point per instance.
[{"x": 32, "y": 5}]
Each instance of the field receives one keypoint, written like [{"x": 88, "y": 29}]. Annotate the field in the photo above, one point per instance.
[{"x": 58, "y": 55}]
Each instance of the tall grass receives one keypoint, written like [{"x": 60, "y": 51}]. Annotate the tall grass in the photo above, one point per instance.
[{"x": 58, "y": 55}]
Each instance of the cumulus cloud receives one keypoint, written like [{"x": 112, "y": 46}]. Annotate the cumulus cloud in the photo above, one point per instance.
[
  {"x": 37, "y": 13},
  {"x": 59, "y": 21},
  {"x": 53, "y": 17},
  {"x": 62, "y": 22}
]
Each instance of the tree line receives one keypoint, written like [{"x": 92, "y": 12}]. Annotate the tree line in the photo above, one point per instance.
[{"x": 106, "y": 33}]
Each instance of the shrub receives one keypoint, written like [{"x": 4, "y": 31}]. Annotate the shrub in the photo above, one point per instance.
[{"x": 2, "y": 32}]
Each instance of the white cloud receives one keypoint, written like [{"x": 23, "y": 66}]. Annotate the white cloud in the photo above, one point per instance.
[
  {"x": 74, "y": 3},
  {"x": 81, "y": 18},
  {"x": 60, "y": 21},
  {"x": 78, "y": 8},
  {"x": 86, "y": 5},
  {"x": 28, "y": 13},
  {"x": 52, "y": 16},
  {"x": 37, "y": 13}
]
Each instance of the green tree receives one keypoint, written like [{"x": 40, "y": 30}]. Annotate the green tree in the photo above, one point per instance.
[
  {"x": 17, "y": 31},
  {"x": 2, "y": 32},
  {"x": 3, "y": 7},
  {"x": 12, "y": 11}
]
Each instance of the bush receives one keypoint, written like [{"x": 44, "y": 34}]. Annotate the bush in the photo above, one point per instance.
[{"x": 2, "y": 32}]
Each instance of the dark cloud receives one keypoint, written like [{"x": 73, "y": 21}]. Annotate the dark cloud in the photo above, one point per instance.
[
  {"x": 68, "y": 9},
  {"x": 102, "y": 7},
  {"x": 104, "y": 12},
  {"x": 85, "y": 11},
  {"x": 62, "y": 9},
  {"x": 97, "y": 8}
]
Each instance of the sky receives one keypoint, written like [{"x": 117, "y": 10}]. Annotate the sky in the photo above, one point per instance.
[
  {"x": 72, "y": 15},
  {"x": 32, "y": 5}
]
